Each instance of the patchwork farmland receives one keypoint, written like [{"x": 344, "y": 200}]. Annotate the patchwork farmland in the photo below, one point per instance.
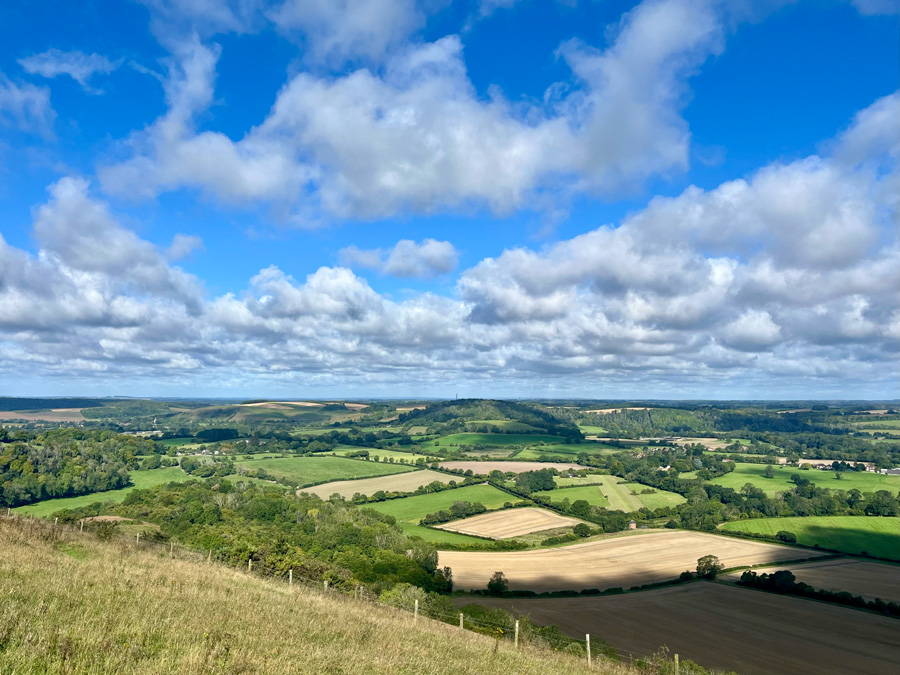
[
  {"x": 642, "y": 558},
  {"x": 510, "y": 523},
  {"x": 484, "y": 468},
  {"x": 726, "y": 627}
]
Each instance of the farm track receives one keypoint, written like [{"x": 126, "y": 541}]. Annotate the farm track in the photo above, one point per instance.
[{"x": 726, "y": 627}]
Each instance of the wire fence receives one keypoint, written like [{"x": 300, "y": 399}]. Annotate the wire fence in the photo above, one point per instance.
[{"x": 513, "y": 630}]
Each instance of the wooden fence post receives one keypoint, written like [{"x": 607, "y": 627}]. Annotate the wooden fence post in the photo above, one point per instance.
[
  {"x": 677, "y": 665},
  {"x": 291, "y": 577},
  {"x": 137, "y": 539},
  {"x": 587, "y": 639},
  {"x": 460, "y": 619},
  {"x": 56, "y": 521},
  {"x": 209, "y": 556},
  {"x": 516, "y": 640},
  {"x": 172, "y": 549},
  {"x": 326, "y": 584},
  {"x": 416, "y": 612},
  {"x": 249, "y": 564},
  {"x": 81, "y": 526}
]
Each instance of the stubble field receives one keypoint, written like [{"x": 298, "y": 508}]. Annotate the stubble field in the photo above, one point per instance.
[
  {"x": 726, "y": 627},
  {"x": 404, "y": 482},
  {"x": 622, "y": 561},
  {"x": 510, "y": 523}
]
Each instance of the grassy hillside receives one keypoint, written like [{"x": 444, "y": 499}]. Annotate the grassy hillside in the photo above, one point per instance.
[
  {"x": 75, "y": 605},
  {"x": 781, "y": 482}
]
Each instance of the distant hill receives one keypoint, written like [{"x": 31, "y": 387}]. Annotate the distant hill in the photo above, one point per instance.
[
  {"x": 145, "y": 613},
  {"x": 457, "y": 414}
]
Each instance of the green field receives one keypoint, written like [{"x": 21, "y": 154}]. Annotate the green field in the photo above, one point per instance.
[
  {"x": 882, "y": 424},
  {"x": 413, "y": 509},
  {"x": 436, "y": 536},
  {"x": 382, "y": 454},
  {"x": 141, "y": 480},
  {"x": 591, "y": 430},
  {"x": 177, "y": 442},
  {"x": 658, "y": 499},
  {"x": 754, "y": 473},
  {"x": 850, "y": 534},
  {"x": 491, "y": 439},
  {"x": 312, "y": 470},
  {"x": 565, "y": 481},
  {"x": 590, "y": 493},
  {"x": 619, "y": 495}
]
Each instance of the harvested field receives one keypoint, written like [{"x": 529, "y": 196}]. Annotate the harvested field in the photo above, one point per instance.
[
  {"x": 644, "y": 558},
  {"x": 516, "y": 467},
  {"x": 404, "y": 482},
  {"x": 510, "y": 523},
  {"x": 54, "y": 415},
  {"x": 727, "y": 628},
  {"x": 868, "y": 579}
]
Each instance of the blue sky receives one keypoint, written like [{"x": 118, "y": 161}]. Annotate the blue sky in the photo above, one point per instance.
[{"x": 665, "y": 199}]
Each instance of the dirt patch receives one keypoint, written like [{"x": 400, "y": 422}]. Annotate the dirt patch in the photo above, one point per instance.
[
  {"x": 516, "y": 467},
  {"x": 727, "y": 628},
  {"x": 510, "y": 523},
  {"x": 624, "y": 561},
  {"x": 869, "y": 579}
]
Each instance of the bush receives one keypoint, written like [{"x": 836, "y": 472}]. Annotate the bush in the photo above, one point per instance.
[
  {"x": 786, "y": 537},
  {"x": 498, "y": 584}
]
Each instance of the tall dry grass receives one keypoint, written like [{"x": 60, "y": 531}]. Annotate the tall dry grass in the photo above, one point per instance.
[{"x": 73, "y": 605}]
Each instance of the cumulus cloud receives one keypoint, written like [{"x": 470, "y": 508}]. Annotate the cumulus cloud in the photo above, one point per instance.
[
  {"x": 79, "y": 66},
  {"x": 26, "y": 107},
  {"x": 406, "y": 259},
  {"x": 414, "y": 136},
  {"x": 786, "y": 280}
]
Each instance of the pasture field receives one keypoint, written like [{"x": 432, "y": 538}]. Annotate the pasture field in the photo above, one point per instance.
[
  {"x": 510, "y": 523},
  {"x": 310, "y": 470},
  {"x": 535, "y": 453},
  {"x": 590, "y": 493},
  {"x": 399, "y": 482},
  {"x": 859, "y": 577},
  {"x": 342, "y": 450},
  {"x": 656, "y": 500},
  {"x": 516, "y": 467},
  {"x": 878, "y": 536},
  {"x": 591, "y": 430},
  {"x": 577, "y": 481},
  {"x": 413, "y": 509},
  {"x": 436, "y": 536},
  {"x": 141, "y": 479},
  {"x": 893, "y": 425},
  {"x": 726, "y": 627},
  {"x": 492, "y": 439},
  {"x": 238, "y": 478},
  {"x": 649, "y": 557},
  {"x": 619, "y": 495},
  {"x": 863, "y": 481}
]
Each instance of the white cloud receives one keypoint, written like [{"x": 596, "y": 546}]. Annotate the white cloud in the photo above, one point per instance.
[
  {"x": 872, "y": 7},
  {"x": 183, "y": 246},
  {"x": 337, "y": 30},
  {"x": 415, "y": 136},
  {"x": 26, "y": 107},
  {"x": 407, "y": 259},
  {"x": 79, "y": 66}
]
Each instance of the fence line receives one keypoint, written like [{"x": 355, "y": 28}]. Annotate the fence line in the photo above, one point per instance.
[{"x": 359, "y": 593}]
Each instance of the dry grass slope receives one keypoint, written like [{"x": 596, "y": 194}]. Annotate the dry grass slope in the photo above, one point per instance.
[{"x": 77, "y": 606}]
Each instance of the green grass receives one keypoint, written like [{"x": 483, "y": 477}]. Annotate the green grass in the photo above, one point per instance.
[
  {"x": 590, "y": 493},
  {"x": 141, "y": 480},
  {"x": 238, "y": 478},
  {"x": 754, "y": 473},
  {"x": 657, "y": 500},
  {"x": 850, "y": 534},
  {"x": 591, "y": 430},
  {"x": 436, "y": 536},
  {"x": 619, "y": 495},
  {"x": 537, "y": 453},
  {"x": 492, "y": 439},
  {"x": 312, "y": 470},
  {"x": 342, "y": 450},
  {"x": 883, "y": 424},
  {"x": 565, "y": 481},
  {"x": 412, "y": 509},
  {"x": 176, "y": 442}
]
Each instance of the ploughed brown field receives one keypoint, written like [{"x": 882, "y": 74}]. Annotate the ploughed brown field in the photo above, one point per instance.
[
  {"x": 727, "y": 628},
  {"x": 401, "y": 482},
  {"x": 621, "y": 561},
  {"x": 54, "y": 415},
  {"x": 510, "y": 523},
  {"x": 515, "y": 467},
  {"x": 869, "y": 579}
]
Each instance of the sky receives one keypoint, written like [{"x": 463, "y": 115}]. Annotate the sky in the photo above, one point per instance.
[{"x": 667, "y": 199}]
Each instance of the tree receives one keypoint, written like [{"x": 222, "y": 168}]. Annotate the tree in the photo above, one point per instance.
[
  {"x": 709, "y": 567},
  {"x": 786, "y": 537},
  {"x": 582, "y": 530},
  {"x": 498, "y": 584},
  {"x": 769, "y": 472}
]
